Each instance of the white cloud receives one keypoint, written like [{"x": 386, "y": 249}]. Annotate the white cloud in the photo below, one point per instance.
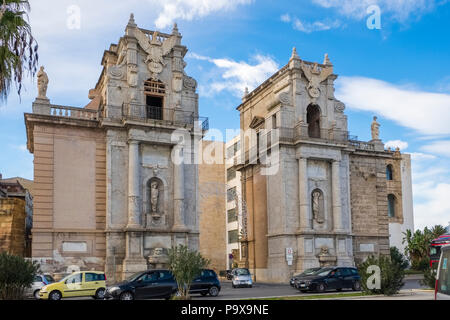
[
  {"x": 399, "y": 10},
  {"x": 418, "y": 156},
  {"x": 435, "y": 207},
  {"x": 438, "y": 147},
  {"x": 236, "y": 76},
  {"x": 192, "y": 9},
  {"x": 393, "y": 144},
  {"x": 426, "y": 112},
  {"x": 286, "y": 17},
  {"x": 309, "y": 27}
]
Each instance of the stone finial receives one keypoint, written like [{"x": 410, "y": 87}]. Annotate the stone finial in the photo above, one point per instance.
[
  {"x": 131, "y": 22},
  {"x": 246, "y": 92},
  {"x": 326, "y": 60},
  {"x": 175, "y": 29},
  {"x": 294, "y": 54}
]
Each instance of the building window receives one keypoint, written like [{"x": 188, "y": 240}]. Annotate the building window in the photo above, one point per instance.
[
  {"x": 389, "y": 172},
  {"x": 313, "y": 119},
  {"x": 233, "y": 236},
  {"x": 274, "y": 121},
  {"x": 232, "y": 216},
  {"x": 391, "y": 206},
  {"x": 232, "y": 150},
  {"x": 154, "y": 91},
  {"x": 231, "y": 174},
  {"x": 231, "y": 193}
]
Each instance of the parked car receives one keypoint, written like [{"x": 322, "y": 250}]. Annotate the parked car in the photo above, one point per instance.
[
  {"x": 78, "y": 284},
  {"x": 39, "y": 282},
  {"x": 442, "y": 288},
  {"x": 304, "y": 273},
  {"x": 242, "y": 278},
  {"x": 331, "y": 278},
  {"x": 206, "y": 283},
  {"x": 150, "y": 284}
]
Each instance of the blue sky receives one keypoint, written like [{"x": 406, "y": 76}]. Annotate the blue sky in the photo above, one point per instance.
[{"x": 401, "y": 72}]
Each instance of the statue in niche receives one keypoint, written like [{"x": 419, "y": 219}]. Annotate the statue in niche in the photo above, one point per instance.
[
  {"x": 325, "y": 258},
  {"x": 375, "y": 128},
  {"x": 154, "y": 196},
  {"x": 317, "y": 206},
  {"x": 42, "y": 82}
]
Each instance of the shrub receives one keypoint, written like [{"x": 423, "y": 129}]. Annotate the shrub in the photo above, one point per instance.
[
  {"x": 398, "y": 258},
  {"x": 390, "y": 278},
  {"x": 185, "y": 265},
  {"x": 16, "y": 274},
  {"x": 429, "y": 278}
]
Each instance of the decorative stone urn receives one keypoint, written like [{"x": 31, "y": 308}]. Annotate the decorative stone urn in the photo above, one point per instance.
[
  {"x": 159, "y": 259},
  {"x": 325, "y": 259}
]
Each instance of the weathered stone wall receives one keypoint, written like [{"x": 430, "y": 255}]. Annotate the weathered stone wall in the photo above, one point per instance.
[
  {"x": 12, "y": 226},
  {"x": 213, "y": 211},
  {"x": 70, "y": 198},
  {"x": 369, "y": 205}
]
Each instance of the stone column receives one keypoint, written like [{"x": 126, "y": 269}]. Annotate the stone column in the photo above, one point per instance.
[
  {"x": 303, "y": 193},
  {"x": 133, "y": 185},
  {"x": 336, "y": 193},
  {"x": 178, "y": 192}
]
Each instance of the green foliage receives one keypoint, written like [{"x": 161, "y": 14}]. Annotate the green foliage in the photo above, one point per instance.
[
  {"x": 16, "y": 274},
  {"x": 18, "y": 49},
  {"x": 429, "y": 278},
  {"x": 398, "y": 258},
  {"x": 390, "y": 277},
  {"x": 418, "y": 245},
  {"x": 185, "y": 265}
]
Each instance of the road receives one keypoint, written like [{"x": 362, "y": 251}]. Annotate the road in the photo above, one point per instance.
[{"x": 266, "y": 290}]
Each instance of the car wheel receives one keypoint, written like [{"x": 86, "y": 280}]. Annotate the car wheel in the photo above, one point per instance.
[
  {"x": 234, "y": 287},
  {"x": 339, "y": 290},
  {"x": 303, "y": 291},
  {"x": 126, "y": 296},
  {"x": 356, "y": 286},
  {"x": 320, "y": 287},
  {"x": 36, "y": 294},
  {"x": 250, "y": 286},
  {"x": 55, "y": 295},
  {"x": 100, "y": 294},
  {"x": 213, "y": 291}
]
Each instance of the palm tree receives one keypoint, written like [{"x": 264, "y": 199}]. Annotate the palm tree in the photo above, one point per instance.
[{"x": 18, "y": 48}]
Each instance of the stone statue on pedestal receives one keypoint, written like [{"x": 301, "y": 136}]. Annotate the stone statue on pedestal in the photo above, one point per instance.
[
  {"x": 42, "y": 83},
  {"x": 375, "y": 128},
  {"x": 159, "y": 259},
  {"x": 154, "y": 195}
]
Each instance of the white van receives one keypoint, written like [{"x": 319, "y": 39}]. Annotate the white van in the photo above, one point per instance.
[{"x": 442, "y": 291}]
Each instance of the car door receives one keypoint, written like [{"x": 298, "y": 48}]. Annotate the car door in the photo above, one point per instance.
[
  {"x": 166, "y": 283},
  {"x": 146, "y": 286},
  {"x": 198, "y": 283},
  {"x": 334, "y": 280},
  {"x": 72, "y": 285},
  {"x": 92, "y": 281},
  {"x": 347, "y": 278}
]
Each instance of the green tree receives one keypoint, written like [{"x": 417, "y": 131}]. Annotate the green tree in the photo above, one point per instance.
[
  {"x": 398, "y": 258},
  {"x": 185, "y": 265},
  {"x": 16, "y": 274},
  {"x": 390, "y": 277},
  {"x": 18, "y": 48},
  {"x": 418, "y": 245}
]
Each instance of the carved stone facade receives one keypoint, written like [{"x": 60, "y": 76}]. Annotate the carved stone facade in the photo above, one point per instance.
[
  {"x": 311, "y": 188},
  {"x": 110, "y": 197}
]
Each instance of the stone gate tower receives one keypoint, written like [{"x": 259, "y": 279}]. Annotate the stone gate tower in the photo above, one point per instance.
[{"x": 113, "y": 197}]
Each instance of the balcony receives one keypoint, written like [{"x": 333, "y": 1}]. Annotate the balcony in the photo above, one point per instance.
[{"x": 65, "y": 112}]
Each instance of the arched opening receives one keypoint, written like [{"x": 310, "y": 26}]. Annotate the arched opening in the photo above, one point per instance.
[
  {"x": 313, "y": 119},
  {"x": 391, "y": 205},
  {"x": 154, "y": 92},
  {"x": 389, "y": 172}
]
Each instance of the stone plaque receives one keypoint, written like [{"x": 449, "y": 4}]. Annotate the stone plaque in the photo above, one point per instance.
[
  {"x": 341, "y": 245},
  {"x": 74, "y": 246},
  {"x": 367, "y": 247},
  {"x": 308, "y": 245}
]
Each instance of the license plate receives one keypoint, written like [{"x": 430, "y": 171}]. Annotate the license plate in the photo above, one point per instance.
[{"x": 302, "y": 285}]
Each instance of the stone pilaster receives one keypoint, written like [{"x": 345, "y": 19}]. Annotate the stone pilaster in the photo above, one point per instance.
[
  {"x": 133, "y": 185},
  {"x": 178, "y": 192},
  {"x": 336, "y": 194},
  {"x": 304, "y": 223}
]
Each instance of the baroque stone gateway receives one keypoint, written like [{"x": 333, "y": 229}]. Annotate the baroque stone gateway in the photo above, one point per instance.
[{"x": 110, "y": 196}]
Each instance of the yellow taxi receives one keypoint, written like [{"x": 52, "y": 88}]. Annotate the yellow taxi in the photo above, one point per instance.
[{"x": 78, "y": 284}]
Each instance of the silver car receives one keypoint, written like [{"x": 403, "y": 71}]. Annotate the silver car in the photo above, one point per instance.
[
  {"x": 40, "y": 280},
  {"x": 242, "y": 278}
]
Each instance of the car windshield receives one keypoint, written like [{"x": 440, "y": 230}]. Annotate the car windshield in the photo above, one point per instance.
[
  {"x": 322, "y": 272},
  {"x": 134, "y": 276},
  {"x": 308, "y": 272},
  {"x": 49, "y": 278},
  {"x": 242, "y": 272}
]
